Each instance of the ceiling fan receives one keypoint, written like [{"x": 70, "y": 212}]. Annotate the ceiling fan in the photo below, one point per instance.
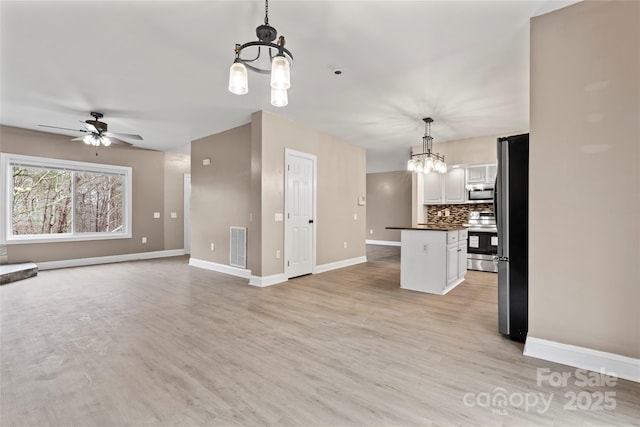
[{"x": 96, "y": 133}]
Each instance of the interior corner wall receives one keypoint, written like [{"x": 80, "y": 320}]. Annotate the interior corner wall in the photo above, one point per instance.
[
  {"x": 388, "y": 204},
  {"x": 254, "y": 235},
  {"x": 584, "y": 274},
  {"x": 176, "y": 165},
  {"x": 148, "y": 195},
  {"x": 341, "y": 179},
  {"x": 220, "y": 192}
]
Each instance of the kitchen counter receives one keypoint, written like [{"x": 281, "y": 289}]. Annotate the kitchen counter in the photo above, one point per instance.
[
  {"x": 430, "y": 227},
  {"x": 433, "y": 258}
]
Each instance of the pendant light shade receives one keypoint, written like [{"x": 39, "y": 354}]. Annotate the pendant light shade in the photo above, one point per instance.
[
  {"x": 267, "y": 55},
  {"x": 280, "y": 76},
  {"x": 279, "y": 97},
  {"x": 238, "y": 80}
]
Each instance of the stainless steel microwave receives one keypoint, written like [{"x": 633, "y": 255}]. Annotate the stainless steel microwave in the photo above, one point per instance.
[{"x": 480, "y": 195}]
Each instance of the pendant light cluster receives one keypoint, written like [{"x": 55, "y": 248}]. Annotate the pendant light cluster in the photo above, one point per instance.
[
  {"x": 427, "y": 161},
  {"x": 280, "y": 63}
]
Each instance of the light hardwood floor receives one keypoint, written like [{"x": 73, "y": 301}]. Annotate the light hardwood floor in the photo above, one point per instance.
[{"x": 161, "y": 343}]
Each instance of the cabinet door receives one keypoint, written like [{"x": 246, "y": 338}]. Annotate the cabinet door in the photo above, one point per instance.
[
  {"x": 491, "y": 173},
  {"x": 454, "y": 186},
  {"x": 452, "y": 263},
  {"x": 433, "y": 188},
  {"x": 476, "y": 174},
  {"x": 462, "y": 258}
]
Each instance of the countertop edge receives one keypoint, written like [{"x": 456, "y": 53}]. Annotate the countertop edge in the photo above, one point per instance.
[{"x": 428, "y": 228}]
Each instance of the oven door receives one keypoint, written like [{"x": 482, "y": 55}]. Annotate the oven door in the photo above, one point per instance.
[{"x": 482, "y": 242}]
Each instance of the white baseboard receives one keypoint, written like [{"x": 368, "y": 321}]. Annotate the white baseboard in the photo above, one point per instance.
[
  {"x": 79, "y": 262},
  {"x": 220, "y": 268},
  {"x": 382, "y": 242},
  {"x": 623, "y": 367},
  {"x": 262, "y": 281},
  {"x": 339, "y": 264}
]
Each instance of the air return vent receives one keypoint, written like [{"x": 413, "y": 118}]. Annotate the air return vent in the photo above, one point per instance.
[{"x": 238, "y": 247}]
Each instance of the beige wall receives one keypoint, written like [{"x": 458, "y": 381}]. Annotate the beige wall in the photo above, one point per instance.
[
  {"x": 585, "y": 161},
  {"x": 388, "y": 204},
  {"x": 219, "y": 191},
  {"x": 148, "y": 194},
  {"x": 341, "y": 178},
  {"x": 469, "y": 151},
  {"x": 176, "y": 165}
]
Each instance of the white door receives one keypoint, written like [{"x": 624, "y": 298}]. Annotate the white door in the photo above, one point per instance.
[
  {"x": 187, "y": 213},
  {"x": 299, "y": 213}
]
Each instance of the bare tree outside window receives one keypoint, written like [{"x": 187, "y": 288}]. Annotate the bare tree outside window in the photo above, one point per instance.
[
  {"x": 63, "y": 200},
  {"x": 41, "y": 201},
  {"x": 99, "y": 206}
]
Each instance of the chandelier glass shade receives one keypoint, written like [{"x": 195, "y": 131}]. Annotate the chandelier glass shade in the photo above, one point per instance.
[
  {"x": 427, "y": 161},
  {"x": 280, "y": 63}
]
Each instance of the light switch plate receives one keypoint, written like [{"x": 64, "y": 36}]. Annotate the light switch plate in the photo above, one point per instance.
[
  {"x": 156, "y": 214},
  {"x": 174, "y": 215},
  {"x": 278, "y": 217},
  {"x": 206, "y": 162}
]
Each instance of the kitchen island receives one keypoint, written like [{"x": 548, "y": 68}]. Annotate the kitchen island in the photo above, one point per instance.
[{"x": 433, "y": 259}]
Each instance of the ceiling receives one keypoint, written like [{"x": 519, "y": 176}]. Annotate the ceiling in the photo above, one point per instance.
[{"x": 160, "y": 68}]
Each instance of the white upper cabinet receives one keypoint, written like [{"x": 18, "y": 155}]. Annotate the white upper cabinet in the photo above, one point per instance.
[
  {"x": 481, "y": 174},
  {"x": 476, "y": 174},
  {"x": 454, "y": 186},
  {"x": 433, "y": 188}
]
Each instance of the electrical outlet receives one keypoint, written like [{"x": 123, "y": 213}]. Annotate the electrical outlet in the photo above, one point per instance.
[
  {"x": 213, "y": 246},
  {"x": 355, "y": 216},
  {"x": 425, "y": 248},
  {"x": 345, "y": 245},
  {"x": 371, "y": 231},
  {"x": 439, "y": 213},
  {"x": 446, "y": 212},
  {"x": 278, "y": 254},
  {"x": 144, "y": 240}
]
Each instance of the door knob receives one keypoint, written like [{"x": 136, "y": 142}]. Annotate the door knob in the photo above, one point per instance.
[{"x": 310, "y": 221}]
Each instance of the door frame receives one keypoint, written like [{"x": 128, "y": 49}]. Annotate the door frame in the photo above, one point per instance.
[
  {"x": 186, "y": 213},
  {"x": 289, "y": 152}
]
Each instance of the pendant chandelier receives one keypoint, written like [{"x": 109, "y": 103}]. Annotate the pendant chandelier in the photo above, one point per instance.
[
  {"x": 427, "y": 161},
  {"x": 280, "y": 63}
]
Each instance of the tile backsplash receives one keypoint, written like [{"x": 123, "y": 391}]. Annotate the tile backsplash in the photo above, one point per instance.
[{"x": 458, "y": 214}]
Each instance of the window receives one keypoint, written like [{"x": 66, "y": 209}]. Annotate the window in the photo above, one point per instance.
[{"x": 58, "y": 200}]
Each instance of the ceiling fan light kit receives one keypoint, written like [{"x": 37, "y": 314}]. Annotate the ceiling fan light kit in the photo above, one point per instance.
[
  {"x": 427, "y": 161},
  {"x": 280, "y": 63}
]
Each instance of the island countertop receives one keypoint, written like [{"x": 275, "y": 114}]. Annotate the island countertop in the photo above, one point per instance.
[{"x": 430, "y": 227}]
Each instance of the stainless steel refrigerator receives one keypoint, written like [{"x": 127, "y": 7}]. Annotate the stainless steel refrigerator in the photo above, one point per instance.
[{"x": 511, "y": 206}]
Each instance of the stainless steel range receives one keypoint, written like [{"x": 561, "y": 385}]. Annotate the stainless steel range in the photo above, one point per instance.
[{"x": 482, "y": 244}]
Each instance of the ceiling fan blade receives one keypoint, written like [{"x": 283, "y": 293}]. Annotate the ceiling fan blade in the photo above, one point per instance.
[
  {"x": 91, "y": 128},
  {"x": 57, "y": 127},
  {"x": 115, "y": 140},
  {"x": 80, "y": 138},
  {"x": 122, "y": 135}
]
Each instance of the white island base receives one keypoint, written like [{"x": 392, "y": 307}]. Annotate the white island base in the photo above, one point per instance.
[{"x": 432, "y": 260}]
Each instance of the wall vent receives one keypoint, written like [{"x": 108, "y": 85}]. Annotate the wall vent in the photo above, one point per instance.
[{"x": 238, "y": 247}]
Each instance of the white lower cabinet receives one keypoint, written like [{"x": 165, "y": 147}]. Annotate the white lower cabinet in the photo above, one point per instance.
[{"x": 433, "y": 261}]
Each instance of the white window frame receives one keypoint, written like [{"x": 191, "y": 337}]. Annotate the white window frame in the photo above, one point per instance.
[{"x": 6, "y": 191}]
